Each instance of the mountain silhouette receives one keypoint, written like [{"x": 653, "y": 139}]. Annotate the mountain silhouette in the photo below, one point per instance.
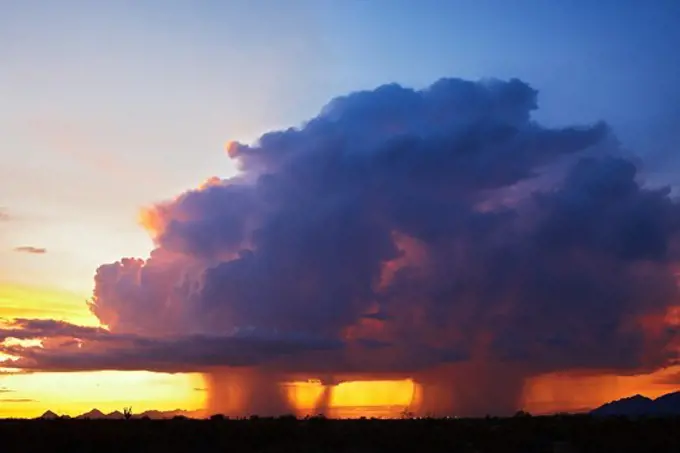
[
  {"x": 157, "y": 415},
  {"x": 115, "y": 415},
  {"x": 92, "y": 415},
  {"x": 638, "y": 405},
  {"x": 96, "y": 414},
  {"x": 49, "y": 415},
  {"x": 669, "y": 403}
]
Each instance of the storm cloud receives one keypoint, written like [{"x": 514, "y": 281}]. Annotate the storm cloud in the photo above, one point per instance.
[
  {"x": 69, "y": 347},
  {"x": 438, "y": 234}
]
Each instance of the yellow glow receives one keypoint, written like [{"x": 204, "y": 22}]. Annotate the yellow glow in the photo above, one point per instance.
[
  {"x": 304, "y": 395},
  {"x": 29, "y": 395},
  {"x": 19, "y": 301},
  {"x": 76, "y": 393},
  {"x": 25, "y": 343},
  {"x": 385, "y": 398},
  {"x": 372, "y": 393}
]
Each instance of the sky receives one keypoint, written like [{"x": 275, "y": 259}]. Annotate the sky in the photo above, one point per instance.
[{"x": 111, "y": 107}]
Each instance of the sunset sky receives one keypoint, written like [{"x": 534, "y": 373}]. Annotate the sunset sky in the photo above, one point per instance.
[{"x": 108, "y": 108}]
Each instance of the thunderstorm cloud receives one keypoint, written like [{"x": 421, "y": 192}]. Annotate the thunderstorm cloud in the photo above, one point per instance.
[{"x": 438, "y": 234}]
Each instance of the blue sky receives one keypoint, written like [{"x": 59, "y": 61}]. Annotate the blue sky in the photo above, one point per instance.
[{"x": 108, "y": 106}]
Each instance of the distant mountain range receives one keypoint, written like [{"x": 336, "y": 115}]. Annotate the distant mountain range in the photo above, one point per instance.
[
  {"x": 633, "y": 406},
  {"x": 638, "y": 405},
  {"x": 96, "y": 414}
]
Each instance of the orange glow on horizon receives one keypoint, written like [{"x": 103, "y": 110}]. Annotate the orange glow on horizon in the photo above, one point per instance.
[
  {"x": 304, "y": 396},
  {"x": 558, "y": 392},
  {"x": 75, "y": 393},
  {"x": 373, "y": 393},
  {"x": 385, "y": 398},
  {"x": 545, "y": 394},
  {"x": 32, "y": 394}
]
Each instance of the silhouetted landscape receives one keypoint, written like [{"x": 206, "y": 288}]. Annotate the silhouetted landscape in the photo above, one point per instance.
[
  {"x": 96, "y": 414},
  {"x": 634, "y": 406},
  {"x": 638, "y": 405},
  {"x": 520, "y": 434},
  {"x": 634, "y": 424}
]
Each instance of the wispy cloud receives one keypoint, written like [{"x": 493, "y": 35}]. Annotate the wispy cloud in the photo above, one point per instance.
[
  {"x": 17, "y": 400},
  {"x": 4, "y": 215},
  {"x": 31, "y": 250},
  {"x": 5, "y": 390}
]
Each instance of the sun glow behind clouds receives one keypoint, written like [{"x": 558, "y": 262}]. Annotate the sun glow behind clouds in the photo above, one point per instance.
[
  {"x": 352, "y": 399},
  {"x": 544, "y": 394},
  {"x": 373, "y": 393},
  {"x": 21, "y": 301},
  {"x": 76, "y": 393},
  {"x": 152, "y": 218}
]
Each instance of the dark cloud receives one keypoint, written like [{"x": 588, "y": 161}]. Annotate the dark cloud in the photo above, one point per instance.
[
  {"x": 22, "y": 329},
  {"x": 68, "y": 347},
  {"x": 439, "y": 234},
  {"x": 31, "y": 250}
]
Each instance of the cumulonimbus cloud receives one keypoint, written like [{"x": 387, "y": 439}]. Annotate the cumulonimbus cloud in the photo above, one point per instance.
[{"x": 440, "y": 234}]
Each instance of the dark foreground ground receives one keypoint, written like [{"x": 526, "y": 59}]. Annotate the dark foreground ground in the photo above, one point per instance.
[{"x": 561, "y": 434}]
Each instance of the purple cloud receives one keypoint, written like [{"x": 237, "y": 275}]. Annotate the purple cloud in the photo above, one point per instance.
[{"x": 439, "y": 234}]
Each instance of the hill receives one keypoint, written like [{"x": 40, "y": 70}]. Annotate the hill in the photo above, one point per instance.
[
  {"x": 638, "y": 405},
  {"x": 49, "y": 415},
  {"x": 96, "y": 414}
]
